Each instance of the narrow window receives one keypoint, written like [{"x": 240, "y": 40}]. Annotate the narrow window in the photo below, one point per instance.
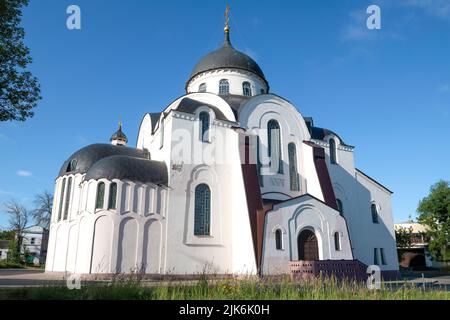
[
  {"x": 274, "y": 143},
  {"x": 340, "y": 207},
  {"x": 202, "y": 87},
  {"x": 112, "y": 196},
  {"x": 383, "y": 257},
  {"x": 333, "y": 150},
  {"x": 161, "y": 137},
  {"x": 100, "y": 196},
  {"x": 204, "y": 126},
  {"x": 262, "y": 91},
  {"x": 337, "y": 241},
  {"x": 246, "y": 89},
  {"x": 293, "y": 170},
  {"x": 224, "y": 87},
  {"x": 375, "y": 256},
  {"x": 374, "y": 210},
  {"x": 202, "y": 219},
  {"x": 61, "y": 199},
  {"x": 259, "y": 164},
  {"x": 279, "y": 239},
  {"x": 33, "y": 241},
  {"x": 69, "y": 190}
]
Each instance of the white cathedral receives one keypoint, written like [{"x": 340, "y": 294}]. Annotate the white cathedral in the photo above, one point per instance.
[{"x": 229, "y": 179}]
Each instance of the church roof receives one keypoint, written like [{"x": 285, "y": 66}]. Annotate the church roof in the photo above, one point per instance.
[
  {"x": 82, "y": 160},
  {"x": 227, "y": 57},
  {"x": 115, "y": 162},
  {"x": 129, "y": 168},
  {"x": 189, "y": 105}
]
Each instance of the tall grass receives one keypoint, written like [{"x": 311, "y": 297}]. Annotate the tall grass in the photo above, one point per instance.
[{"x": 232, "y": 289}]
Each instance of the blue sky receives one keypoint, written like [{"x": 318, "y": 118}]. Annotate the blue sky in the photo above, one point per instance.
[{"x": 385, "y": 91}]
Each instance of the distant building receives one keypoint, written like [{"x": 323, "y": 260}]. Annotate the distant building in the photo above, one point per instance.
[
  {"x": 4, "y": 247},
  {"x": 35, "y": 240},
  {"x": 417, "y": 254}
]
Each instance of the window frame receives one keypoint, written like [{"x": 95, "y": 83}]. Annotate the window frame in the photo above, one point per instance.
[
  {"x": 279, "y": 245},
  {"x": 224, "y": 87},
  {"x": 333, "y": 151},
  {"x": 112, "y": 200},
  {"x": 276, "y": 126},
  {"x": 374, "y": 213},
  {"x": 204, "y": 134},
  {"x": 202, "y": 87},
  {"x": 202, "y": 219},
  {"x": 294, "y": 177},
  {"x": 246, "y": 89},
  {"x": 337, "y": 241},
  {"x": 100, "y": 198}
]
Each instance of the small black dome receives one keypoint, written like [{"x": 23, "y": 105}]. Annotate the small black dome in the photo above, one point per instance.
[
  {"x": 119, "y": 135},
  {"x": 227, "y": 57}
]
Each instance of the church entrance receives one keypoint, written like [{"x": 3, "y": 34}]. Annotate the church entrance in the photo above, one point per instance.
[{"x": 308, "y": 247}]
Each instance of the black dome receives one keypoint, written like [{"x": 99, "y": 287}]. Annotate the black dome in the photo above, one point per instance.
[
  {"x": 82, "y": 160},
  {"x": 227, "y": 57},
  {"x": 129, "y": 168}
]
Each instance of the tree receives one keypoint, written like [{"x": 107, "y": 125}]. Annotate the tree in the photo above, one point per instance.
[
  {"x": 403, "y": 237},
  {"x": 434, "y": 212},
  {"x": 19, "y": 217},
  {"x": 7, "y": 235},
  {"x": 19, "y": 89},
  {"x": 43, "y": 211}
]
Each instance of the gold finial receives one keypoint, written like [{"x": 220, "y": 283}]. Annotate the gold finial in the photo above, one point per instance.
[
  {"x": 120, "y": 123},
  {"x": 227, "y": 19}
]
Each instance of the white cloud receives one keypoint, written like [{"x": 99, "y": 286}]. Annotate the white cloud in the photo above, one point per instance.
[
  {"x": 444, "y": 87},
  {"x": 24, "y": 173},
  {"x": 356, "y": 28},
  {"x": 438, "y": 8}
]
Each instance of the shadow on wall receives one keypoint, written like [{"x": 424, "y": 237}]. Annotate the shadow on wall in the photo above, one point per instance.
[{"x": 372, "y": 241}]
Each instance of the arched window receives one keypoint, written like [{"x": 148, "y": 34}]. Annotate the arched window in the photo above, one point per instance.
[
  {"x": 69, "y": 190},
  {"x": 204, "y": 126},
  {"x": 202, "y": 219},
  {"x": 61, "y": 199},
  {"x": 340, "y": 207},
  {"x": 374, "y": 210},
  {"x": 100, "y": 196},
  {"x": 333, "y": 157},
  {"x": 112, "y": 196},
  {"x": 202, "y": 87},
  {"x": 246, "y": 89},
  {"x": 337, "y": 241},
  {"x": 293, "y": 170},
  {"x": 279, "y": 239},
  {"x": 224, "y": 86},
  {"x": 274, "y": 143}
]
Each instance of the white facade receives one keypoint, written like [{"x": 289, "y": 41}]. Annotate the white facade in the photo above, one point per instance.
[
  {"x": 185, "y": 201},
  {"x": 34, "y": 240}
]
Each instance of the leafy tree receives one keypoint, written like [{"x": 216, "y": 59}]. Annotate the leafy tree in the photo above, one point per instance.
[
  {"x": 19, "y": 89},
  {"x": 13, "y": 252},
  {"x": 7, "y": 235},
  {"x": 43, "y": 211},
  {"x": 403, "y": 237},
  {"x": 434, "y": 212}
]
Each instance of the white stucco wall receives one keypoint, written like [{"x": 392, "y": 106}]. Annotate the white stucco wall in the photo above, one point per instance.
[{"x": 294, "y": 216}]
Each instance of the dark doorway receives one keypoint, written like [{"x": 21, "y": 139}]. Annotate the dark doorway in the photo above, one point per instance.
[{"x": 308, "y": 247}]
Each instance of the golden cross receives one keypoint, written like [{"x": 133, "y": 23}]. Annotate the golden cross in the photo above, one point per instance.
[{"x": 227, "y": 18}]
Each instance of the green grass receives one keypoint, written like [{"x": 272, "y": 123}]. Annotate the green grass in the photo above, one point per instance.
[{"x": 321, "y": 289}]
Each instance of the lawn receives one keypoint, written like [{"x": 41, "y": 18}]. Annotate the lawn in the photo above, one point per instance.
[{"x": 253, "y": 289}]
